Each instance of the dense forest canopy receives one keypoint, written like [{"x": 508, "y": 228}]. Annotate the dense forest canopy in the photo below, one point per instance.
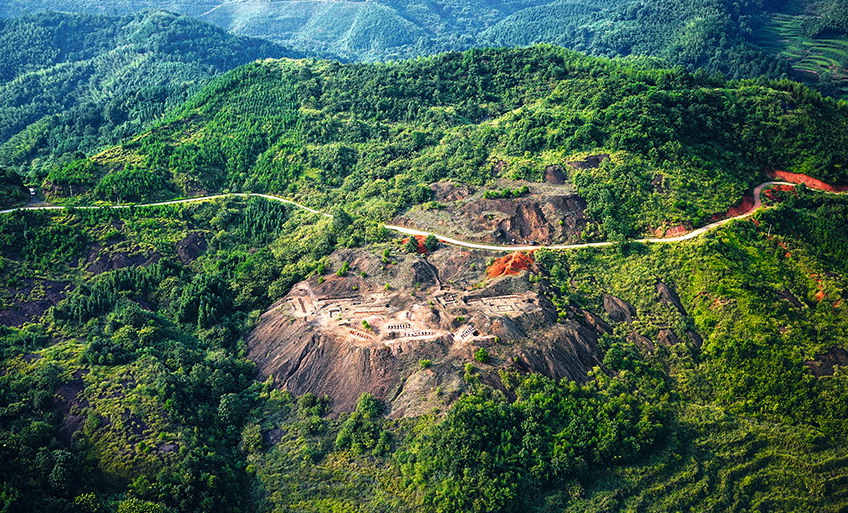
[
  {"x": 370, "y": 136},
  {"x": 73, "y": 83}
]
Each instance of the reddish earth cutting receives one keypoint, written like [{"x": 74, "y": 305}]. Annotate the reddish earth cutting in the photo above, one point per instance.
[
  {"x": 673, "y": 231},
  {"x": 770, "y": 193},
  {"x": 809, "y": 181},
  {"x": 749, "y": 203},
  {"x": 421, "y": 247},
  {"x": 511, "y": 264},
  {"x": 744, "y": 207}
]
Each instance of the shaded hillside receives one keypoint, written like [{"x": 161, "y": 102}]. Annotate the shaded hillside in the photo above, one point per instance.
[
  {"x": 734, "y": 38},
  {"x": 644, "y": 147},
  {"x": 73, "y": 83}
]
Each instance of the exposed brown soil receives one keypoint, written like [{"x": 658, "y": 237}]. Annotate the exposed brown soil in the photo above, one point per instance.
[
  {"x": 746, "y": 205},
  {"x": 29, "y": 300},
  {"x": 541, "y": 218},
  {"x": 419, "y": 240},
  {"x": 770, "y": 193},
  {"x": 449, "y": 191},
  {"x": 825, "y": 364},
  {"x": 673, "y": 231},
  {"x": 809, "y": 181},
  {"x": 347, "y": 336},
  {"x": 190, "y": 248},
  {"x": 67, "y": 401},
  {"x": 103, "y": 259},
  {"x": 510, "y": 265}
]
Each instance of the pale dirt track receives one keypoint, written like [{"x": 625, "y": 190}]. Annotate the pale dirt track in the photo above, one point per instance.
[{"x": 409, "y": 231}]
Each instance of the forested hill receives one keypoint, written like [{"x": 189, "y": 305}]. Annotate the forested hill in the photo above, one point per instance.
[
  {"x": 369, "y": 136},
  {"x": 804, "y": 39},
  {"x": 76, "y": 82}
]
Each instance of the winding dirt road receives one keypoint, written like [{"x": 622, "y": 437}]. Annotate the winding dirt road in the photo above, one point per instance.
[{"x": 410, "y": 231}]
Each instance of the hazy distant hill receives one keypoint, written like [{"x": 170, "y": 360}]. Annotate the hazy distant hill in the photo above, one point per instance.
[
  {"x": 804, "y": 38},
  {"x": 74, "y": 82}
]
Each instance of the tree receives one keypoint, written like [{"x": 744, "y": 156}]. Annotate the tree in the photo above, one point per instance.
[
  {"x": 411, "y": 245},
  {"x": 431, "y": 243}
]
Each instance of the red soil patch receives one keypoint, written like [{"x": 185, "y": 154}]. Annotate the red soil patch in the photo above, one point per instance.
[
  {"x": 770, "y": 193},
  {"x": 744, "y": 207},
  {"x": 420, "y": 240},
  {"x": 510, "y": 265},
  {"x": 809, "y": 181},
  {"x": 673, "y": 231}
]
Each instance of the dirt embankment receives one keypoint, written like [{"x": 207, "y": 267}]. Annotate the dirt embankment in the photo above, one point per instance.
[
  {"x": 28, "y": 300},
  {"x": 510, "y": 265},
  {"x": 809, "y": 181},
  {"x": 547, "y": 216},
  {"x": 743, "y": 207}
]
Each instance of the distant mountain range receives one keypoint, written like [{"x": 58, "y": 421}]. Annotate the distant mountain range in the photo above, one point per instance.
[
  {"x": 803, "y": 38},
  {"x": 74, "y": 82}
]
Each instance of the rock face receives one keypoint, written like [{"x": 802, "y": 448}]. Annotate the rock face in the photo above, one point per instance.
[
  {"x": 617, "y": 309},
  {"x": 590, "y": 162},
  {"x": 347, "y": 336},
  {"x": 544, "y": 218},
  {"x": 555, "y": 175},
  {"x": 826, "y": 364},
  {"x": 191, "y": 247},
  {"x": 667, "y": 338},
  {"x": 595, "y": 322},
  {"x": 667, "y": 295}
]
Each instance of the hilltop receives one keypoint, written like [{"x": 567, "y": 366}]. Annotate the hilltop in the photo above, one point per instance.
[
  {"x": 73, "y": 83},
  {"x": 241, "y": 353},
  {"x": 645, "y": 148}
]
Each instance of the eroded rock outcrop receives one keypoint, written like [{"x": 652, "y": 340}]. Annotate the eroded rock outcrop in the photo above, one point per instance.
[
  {"x": 617, "y": 309},
  {"x": 345, "y": 336}
]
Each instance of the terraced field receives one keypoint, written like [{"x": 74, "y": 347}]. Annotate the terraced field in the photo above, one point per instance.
[{"x": 813, "y": 59}]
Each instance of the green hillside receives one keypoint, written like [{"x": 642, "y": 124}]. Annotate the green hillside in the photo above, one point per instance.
[
  {"x": 369, "y": 136},
  {"x": 720, "y": 385},
  {"x": 74, "y": 83},
  {"x": 132, "y": 393},
  {"x": 812, "y": 37}
]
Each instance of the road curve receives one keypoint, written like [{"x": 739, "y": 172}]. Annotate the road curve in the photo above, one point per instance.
[{"x": 410, "y": 231}]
